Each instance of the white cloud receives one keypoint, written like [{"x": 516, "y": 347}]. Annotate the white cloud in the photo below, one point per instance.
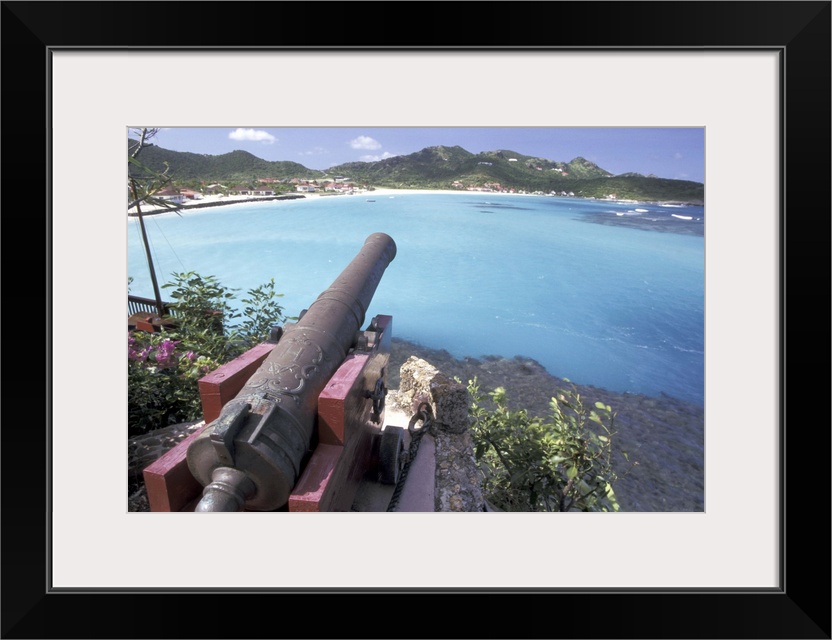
[
  {"x": 364, "y": 142},
  {"x": 384, "y": 155},
  {"x": 317, "y": 151},
  {"x": 677, "y": 156},
  {"x": 251, "y": 134}
]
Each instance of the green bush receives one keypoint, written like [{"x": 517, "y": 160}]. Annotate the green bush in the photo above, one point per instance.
[
  {"x": 259, "y": 315},
  {"x": 163, "y": 369},
  {"x": 532, "y": 464},
  {"x": 203, "y": 315},
  {"x": 162, "y": 382}
]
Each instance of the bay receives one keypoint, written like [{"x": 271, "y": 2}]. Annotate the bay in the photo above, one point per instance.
[{"x": 607, "y": 294}]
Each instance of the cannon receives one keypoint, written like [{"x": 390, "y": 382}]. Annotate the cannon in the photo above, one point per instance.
[{"x": 251, "y": 457}]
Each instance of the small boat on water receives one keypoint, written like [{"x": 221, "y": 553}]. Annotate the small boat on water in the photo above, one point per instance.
[
  {"x": 370, "y": 200},
  {"x": 641, "y": 210},
  {"x": 681, "y": 217}
]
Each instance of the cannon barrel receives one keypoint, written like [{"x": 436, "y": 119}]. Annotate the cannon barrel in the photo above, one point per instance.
[{"x": 250, "y": 457}]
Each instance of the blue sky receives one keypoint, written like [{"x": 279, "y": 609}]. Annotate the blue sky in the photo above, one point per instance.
[{"x": 677, "y": 153}]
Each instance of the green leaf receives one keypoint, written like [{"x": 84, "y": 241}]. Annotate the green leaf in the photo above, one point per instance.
[{"x": 572, "y": 472}]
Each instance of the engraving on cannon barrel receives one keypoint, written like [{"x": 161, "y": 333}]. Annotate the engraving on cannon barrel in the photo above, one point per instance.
[{"x": 291, "y": 379}]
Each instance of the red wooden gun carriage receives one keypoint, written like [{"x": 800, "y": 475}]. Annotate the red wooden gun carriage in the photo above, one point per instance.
[{"x": 295, "y": 423}]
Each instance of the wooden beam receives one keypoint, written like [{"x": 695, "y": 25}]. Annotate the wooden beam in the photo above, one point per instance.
[
  {"x": 170, "y": 485},
  {"x": 224, "y": 383}
]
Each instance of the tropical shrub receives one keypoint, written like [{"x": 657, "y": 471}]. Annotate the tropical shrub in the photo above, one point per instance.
[
  {"x": 259, "y": 314},
  {"x": 533, "y": 464},
  {"x": 164, "y": 368},
  {"x": 201, "y": 308},
  {"x": 162, "y": 381}
]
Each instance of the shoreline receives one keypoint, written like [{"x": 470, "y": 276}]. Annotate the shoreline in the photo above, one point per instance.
[
  {"x": 528, "y": 365},
  {"x": 209, "y": 202}
]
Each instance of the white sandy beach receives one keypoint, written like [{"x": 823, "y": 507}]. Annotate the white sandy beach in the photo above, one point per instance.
[{"x": 219, "y": 200}]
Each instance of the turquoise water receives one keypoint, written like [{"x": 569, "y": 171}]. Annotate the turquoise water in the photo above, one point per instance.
[{"x": 476, "y": 274}]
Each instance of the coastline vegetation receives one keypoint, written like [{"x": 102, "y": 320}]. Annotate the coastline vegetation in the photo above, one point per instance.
[{"x": 530, "y": 463}]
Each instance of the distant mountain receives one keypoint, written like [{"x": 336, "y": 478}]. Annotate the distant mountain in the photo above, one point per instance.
[
  {"x": 439, "y": 167},
  {"x": 234, "y": 167},
  {"x": 436, "y": 167},
  {"x": 454, "y": 167}
]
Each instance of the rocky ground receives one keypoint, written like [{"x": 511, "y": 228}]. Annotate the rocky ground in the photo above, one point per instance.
[{"x": 664, "y": 435}]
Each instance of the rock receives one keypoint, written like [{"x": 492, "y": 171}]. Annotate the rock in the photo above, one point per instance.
[
  {"x": 457, "y": 480},
  {"x": 422, "y": 382}
]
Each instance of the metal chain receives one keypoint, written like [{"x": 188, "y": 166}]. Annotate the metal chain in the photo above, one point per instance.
[{"x": 425, "y": 414}]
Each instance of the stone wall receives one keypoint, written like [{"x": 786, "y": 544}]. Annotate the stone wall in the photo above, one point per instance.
[{"x": 457, "y": 480}]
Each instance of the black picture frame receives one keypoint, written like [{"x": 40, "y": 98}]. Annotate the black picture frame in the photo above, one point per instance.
[{"x": 800, "y": 608}]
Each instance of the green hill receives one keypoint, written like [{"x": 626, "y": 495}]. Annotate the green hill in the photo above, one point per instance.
[
  {"x": 449, "y": 167},
  {"x": 234, "y": 167},
  {"x": 437, "y": 167}
]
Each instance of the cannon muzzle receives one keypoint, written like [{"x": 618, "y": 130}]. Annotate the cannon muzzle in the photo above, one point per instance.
[{"x": 250, "y": 457}]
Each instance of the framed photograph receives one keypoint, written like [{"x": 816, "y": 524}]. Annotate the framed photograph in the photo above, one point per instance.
[{"x": 755, "y": 75}]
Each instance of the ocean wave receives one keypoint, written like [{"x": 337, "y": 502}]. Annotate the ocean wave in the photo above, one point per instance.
[{"x": 698, "y": 352}]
